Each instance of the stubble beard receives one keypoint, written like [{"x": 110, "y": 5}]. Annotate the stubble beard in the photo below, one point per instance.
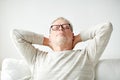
[{"x": 60, "y": 40}]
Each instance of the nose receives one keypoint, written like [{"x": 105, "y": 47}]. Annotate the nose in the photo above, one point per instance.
[{"x": 61, "y": 27}]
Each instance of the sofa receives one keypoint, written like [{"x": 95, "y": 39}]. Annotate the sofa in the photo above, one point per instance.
[
  {"x": 0, "y": 74},
  {"x": 13, "y": 69}
]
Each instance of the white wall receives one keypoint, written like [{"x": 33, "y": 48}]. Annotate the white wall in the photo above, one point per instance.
[{"x": 36, "y": 15}]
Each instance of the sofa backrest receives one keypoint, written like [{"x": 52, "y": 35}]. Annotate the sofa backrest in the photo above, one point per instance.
[
  {"x": 108, "y": 69},
  {"x": 13, "y": 69}
]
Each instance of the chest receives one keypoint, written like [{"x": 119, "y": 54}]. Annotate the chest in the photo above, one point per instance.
[{"x": 63, "y": 65}]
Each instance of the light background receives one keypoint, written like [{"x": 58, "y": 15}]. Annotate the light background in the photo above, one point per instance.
[{"x": 37, "y": 15}]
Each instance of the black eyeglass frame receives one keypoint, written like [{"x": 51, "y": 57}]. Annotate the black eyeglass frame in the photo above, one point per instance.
[{"x": 61, "y": 26}]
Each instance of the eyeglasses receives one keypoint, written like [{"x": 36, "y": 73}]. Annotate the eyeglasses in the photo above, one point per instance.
[{"x": 57, "y": 27}]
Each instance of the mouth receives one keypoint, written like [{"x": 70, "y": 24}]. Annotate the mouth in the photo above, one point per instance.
[{"x": 61, "y": 33}]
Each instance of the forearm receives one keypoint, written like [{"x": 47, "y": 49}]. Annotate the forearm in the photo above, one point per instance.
[
  {"x": 23, "y": 41},
  {"x": 27, "y": 36},
  {"x": 93, "y": 31}
]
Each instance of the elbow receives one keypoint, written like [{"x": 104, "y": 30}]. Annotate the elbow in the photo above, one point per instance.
[
  {"x": 15, "y": 35},
  {"x": 109, "y": 26},
  {"x": 12, "y": 33}
]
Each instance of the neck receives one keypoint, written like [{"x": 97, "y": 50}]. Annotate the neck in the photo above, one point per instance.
[{"x": 61, "y": 47}]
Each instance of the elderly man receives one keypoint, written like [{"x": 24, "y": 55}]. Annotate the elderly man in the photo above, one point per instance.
[{"x": 63, "y": 63}]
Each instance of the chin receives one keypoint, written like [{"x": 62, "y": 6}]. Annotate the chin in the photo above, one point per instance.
[{"x": 61, "y": 40}]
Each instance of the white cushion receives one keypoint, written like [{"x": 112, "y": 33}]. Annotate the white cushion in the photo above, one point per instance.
[
  {"x": 108, "y": 70},
  {"x": 0, "y": 75},
  {"x": 13, "y": 69}
]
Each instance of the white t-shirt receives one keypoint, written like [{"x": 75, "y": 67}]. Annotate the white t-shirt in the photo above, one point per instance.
[{"x": 63, "y": 65}]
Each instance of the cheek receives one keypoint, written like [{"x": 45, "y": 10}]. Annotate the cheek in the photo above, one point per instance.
[
  {"x": 51, "y": 37},
  {"x": 71, "y": 36}
]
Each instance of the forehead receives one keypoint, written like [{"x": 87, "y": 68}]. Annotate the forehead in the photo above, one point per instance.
[{"x": 60, "y": 21}]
